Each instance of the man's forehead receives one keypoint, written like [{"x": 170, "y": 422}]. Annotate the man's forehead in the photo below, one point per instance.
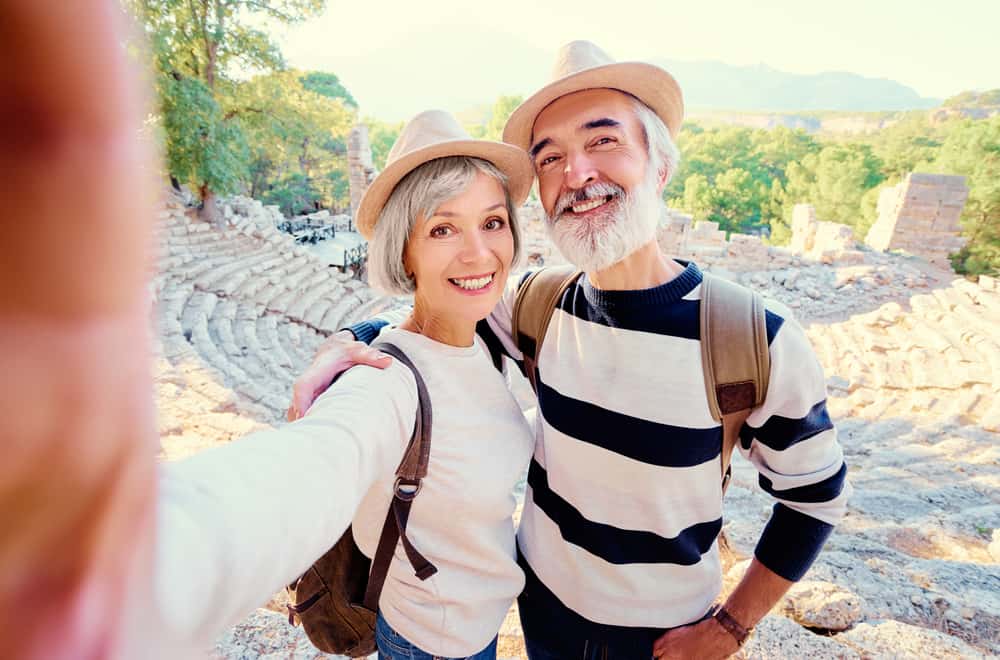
[{"x": 582, "y": 111}]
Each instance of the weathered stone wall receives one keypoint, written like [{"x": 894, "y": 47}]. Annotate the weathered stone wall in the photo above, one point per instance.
[
  {"x": 360, "y": 168},
  {"x": 921, "y": 216},
  {"x": 823, "y": 241},
  {"x": 674, "y": 231}
]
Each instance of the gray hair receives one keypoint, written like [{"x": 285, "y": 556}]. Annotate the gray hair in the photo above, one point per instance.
[
  {"x": 661, "y": 148},
  {"x": 418, "y": 195}
]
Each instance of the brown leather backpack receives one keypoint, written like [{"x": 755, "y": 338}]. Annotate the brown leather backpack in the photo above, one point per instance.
[
  {"x": 734, "y": 351},
  {"x": 336, "y": 600}
]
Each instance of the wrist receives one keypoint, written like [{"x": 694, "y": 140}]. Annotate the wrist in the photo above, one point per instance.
[{"x": 735, "y": 628}]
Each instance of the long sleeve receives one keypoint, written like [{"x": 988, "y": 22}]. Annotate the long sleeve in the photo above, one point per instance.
[
  {"x": 793, "y": 444},
  {"x": 367, "y": 330},
  {"x": 239, "y": 522}
]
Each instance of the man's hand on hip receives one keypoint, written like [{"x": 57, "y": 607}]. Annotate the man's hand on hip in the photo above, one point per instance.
[
  {"x": 705, "y": 640},
  {"x": 337, "y": 354}
]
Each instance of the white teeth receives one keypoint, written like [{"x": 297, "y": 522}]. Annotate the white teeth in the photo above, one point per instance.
[
  {"x": 473, "y": 284},
  {"x": 583, "y": 208}
]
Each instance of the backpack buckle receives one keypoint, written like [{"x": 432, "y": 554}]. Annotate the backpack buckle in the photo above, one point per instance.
[{"x": 401, "y": 486}]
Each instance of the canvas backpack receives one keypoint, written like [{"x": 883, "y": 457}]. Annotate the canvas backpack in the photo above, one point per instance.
[
  {"x": 336, "y": 599},
  {"x": 734, "y": 350}
]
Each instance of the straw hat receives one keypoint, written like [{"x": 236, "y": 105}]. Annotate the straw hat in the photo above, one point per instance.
[
  {"x": 436, "y": 134},
  {"x": 583, "y": 65}
]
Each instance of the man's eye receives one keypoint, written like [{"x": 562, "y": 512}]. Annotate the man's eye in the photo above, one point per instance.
[
  {"x": 495, "y": 223},
  {"x": 603, "y": 141},
  {"x": 548, "y": 160}
]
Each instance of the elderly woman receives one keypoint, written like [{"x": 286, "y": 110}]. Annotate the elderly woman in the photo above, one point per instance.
[{"x": 441, "y": 217}]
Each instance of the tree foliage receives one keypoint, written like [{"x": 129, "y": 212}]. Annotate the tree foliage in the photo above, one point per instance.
[
  {"x": 198, "y": 47},
  {"x": 749, "y": 180},
  {"x": 298, "y": 137},
  {"x": 492, "y": 129},
  {"x": 329, "y": 85},
  {"x": 973, "y": 150},
  {"x": 381, "y": 137}
]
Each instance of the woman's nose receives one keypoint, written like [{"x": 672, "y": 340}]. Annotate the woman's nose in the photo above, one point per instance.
[{"x": 474, "y": 246}]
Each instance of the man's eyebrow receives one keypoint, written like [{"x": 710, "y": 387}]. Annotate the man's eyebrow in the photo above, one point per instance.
[
  {"x": 538, "y": 147},
  {"x": 604, "y": 122}
]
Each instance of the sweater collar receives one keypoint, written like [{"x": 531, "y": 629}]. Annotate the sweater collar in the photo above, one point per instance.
[{"x": 669, "y": 292}]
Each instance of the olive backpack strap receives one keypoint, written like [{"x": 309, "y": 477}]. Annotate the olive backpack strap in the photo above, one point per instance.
[
  {"x": 411, "y": 471},
  {"x": 735, "y": 358},
  {"x": 536, "y": 300}
]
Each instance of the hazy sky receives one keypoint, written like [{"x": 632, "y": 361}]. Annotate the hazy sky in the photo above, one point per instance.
[{"x": 398, "y": 58}]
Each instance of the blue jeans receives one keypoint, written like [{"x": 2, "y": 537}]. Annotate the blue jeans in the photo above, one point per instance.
[
  {"x": 393, "y": 646},
  {"x": 577, "y": 649}
]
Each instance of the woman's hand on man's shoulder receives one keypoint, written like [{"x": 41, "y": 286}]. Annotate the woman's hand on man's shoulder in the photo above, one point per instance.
[{"x": 337, "y": 354}]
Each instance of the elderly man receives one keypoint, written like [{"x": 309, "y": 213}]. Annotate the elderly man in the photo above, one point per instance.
[{"x": 618, "y": 537}]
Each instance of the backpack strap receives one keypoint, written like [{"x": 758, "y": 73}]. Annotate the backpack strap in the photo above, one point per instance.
[
  {"x": 735, "y": 358},
  {"x": 411, "y": 471},
  {"x": 536, "y": 300}
]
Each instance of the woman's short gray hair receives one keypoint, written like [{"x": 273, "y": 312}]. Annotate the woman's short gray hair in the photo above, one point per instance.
[
  {"x": 662, "y": 150},
  {"x": 418, "y": 195}
]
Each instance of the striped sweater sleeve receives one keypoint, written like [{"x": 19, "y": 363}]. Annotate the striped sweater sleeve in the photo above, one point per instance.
[{"x": 792, "y": 443}]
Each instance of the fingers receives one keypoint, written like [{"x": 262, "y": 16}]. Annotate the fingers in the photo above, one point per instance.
[
  {"x": 337, "y": 357},
  {"x": 362, "y": 354}
]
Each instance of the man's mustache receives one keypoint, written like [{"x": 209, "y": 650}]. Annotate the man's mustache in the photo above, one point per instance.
[{"x": 602, "y": 189}]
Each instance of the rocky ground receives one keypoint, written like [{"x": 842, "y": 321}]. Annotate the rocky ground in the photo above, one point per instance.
[{"x": 913, "y": 360}]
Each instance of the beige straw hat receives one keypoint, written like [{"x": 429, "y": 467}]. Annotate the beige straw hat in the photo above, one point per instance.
[
  {"x": 583, "y": 65},
  {"x": 437, "y": 134}
]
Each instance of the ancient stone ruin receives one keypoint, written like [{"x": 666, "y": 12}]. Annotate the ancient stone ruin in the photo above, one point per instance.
[
  {"x": 360, "y": 168},
  {"x": 821, "y": 240},
  {"x": 239, "y": 314},
  {"x": 921, "y": 216}
]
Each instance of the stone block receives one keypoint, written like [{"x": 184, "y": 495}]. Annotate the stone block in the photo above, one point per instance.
[
  {"x": 893, "y": 639},
  {"x": 824, "y": 605}
]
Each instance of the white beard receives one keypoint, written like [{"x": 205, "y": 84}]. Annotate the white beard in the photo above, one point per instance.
[{"x": 627, "y": 223}]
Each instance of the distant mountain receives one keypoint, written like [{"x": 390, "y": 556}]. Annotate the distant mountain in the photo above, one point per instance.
[{"x": 715, "y": 85}]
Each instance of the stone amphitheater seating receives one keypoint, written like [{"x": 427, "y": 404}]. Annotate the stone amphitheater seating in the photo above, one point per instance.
[
  {"x": 941, "y": 358},
  {"x": 239, "y": 314}
]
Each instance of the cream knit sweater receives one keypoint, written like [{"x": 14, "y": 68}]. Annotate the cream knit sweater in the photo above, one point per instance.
[{"x": 239, "y": 522}]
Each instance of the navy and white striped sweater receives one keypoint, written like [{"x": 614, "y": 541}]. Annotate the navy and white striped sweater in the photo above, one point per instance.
[{"x": 624, "y": 500}]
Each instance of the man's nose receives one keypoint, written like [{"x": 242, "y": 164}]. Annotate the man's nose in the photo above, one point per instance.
[{"x": 580, "y": 171}]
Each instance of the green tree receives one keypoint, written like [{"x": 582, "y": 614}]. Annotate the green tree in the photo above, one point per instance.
[
  {"x": 834, "y": 182},
  {"x": 206, "y": 42},
  {"x": 297, "y": 138},
  {"x": 732, "y": 175},
  {"x": 381, "y": 137},
  {"x": 972, "y": 149},
  {"x": 329, "y": 85},
  {"x": 502, "y": 109}
]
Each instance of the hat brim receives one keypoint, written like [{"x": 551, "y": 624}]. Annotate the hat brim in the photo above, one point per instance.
[
  {"x": 649, "y": 83},
  {"x": 512, "y": 161}
]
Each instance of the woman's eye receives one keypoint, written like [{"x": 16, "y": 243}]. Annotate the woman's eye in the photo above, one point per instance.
[
  {"x": 440, "y": 232},
  {"x": 495, "y": 223}
]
